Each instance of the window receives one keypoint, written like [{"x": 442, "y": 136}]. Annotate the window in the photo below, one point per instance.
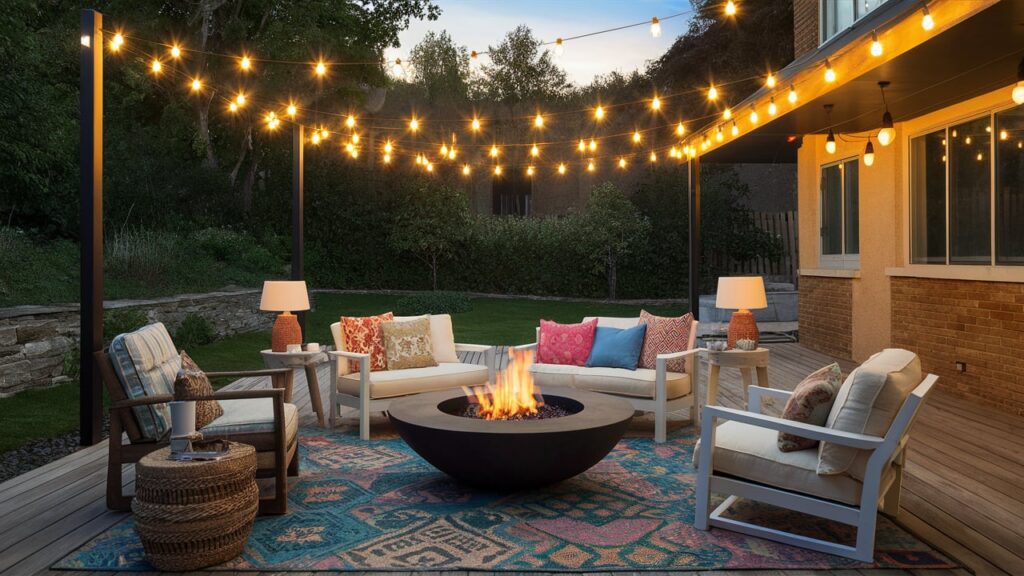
[
  {"x": 840, "y": 218},
  {"x": 967, "y": 192},
  {"x": 838, "y": 15}
]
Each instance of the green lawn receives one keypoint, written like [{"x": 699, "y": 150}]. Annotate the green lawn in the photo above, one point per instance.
[{"x": 35, "y": 414}]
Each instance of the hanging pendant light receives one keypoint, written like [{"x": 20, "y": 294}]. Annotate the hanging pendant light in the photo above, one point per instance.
[
  {"x": 830, "y": 140},
  {"x": 869, "y": 153},
  {"x": 887, "y": 133},
  {"x": 1018, "y": 90}
]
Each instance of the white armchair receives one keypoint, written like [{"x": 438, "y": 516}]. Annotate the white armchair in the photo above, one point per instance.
[{"x": 790, "y": 480}]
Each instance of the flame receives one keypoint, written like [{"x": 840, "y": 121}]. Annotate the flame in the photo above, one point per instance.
[{"x": 514, "y": 393}]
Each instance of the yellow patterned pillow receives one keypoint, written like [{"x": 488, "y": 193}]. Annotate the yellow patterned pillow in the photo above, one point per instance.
[{"x": 407, "y": 344}]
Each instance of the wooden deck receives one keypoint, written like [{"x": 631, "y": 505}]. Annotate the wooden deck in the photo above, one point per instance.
[{"x": 962, "y": 493}]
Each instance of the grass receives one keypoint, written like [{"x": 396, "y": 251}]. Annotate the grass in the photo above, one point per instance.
[{"x": 35, "y": 414}]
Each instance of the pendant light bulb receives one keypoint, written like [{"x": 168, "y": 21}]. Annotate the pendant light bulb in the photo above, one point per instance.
[
  {"x": 1018, "y": 90},
  {"x": 655, "y": 27},
  {"x": 869, "y": 154},
  {"x": 927, "y": 22},
  {"x": 830, "y": 142},
  {"x": 876, "y": 45}
]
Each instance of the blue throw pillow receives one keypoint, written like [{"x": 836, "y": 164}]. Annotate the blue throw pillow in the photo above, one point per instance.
[{"x": 617, "y": 347}]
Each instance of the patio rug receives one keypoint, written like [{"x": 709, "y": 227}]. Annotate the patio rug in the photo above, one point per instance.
[{"x": 378, "y": 506}]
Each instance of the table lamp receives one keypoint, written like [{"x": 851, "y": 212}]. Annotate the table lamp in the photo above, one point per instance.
[
  {"x": 285, "y": 296},
  {"x": 741, "y": 293}
]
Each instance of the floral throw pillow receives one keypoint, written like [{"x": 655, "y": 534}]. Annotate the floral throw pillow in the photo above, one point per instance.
[
  {"x": 810, "y": 403},
  {"x": 408, "y": 344},
  {"x": 363, "y": 335},
  {"x": 664, "y": 336},
  {"x": 565, "y": 343},
  {"x": 192, "y": 382}
]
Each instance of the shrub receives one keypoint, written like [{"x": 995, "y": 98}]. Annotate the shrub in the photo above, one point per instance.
[
  {"x": 433, "y": 303},
  {"x": 194, "y": 331},
  {"x": 144, "y": 257},
  {"x": 122, "y": 320}
]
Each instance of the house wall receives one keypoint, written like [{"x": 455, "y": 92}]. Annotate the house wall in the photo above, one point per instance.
[
  {"x": 806, "y": 32},
  {"x": 826, "y": 315}
]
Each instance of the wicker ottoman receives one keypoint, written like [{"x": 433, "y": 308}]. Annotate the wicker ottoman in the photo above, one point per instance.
[{"x": 195, "y": 514}]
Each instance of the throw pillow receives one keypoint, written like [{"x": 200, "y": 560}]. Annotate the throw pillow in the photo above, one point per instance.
[
  {"x": 192, "y": 382},
  {"x": 565, "y": 343},
  {"x": 810, "y": 403},
  {"x": 617, "y": 347},
  {"x": 363, "y": 335},
  {"x": 441, "y": 335},
  {"x": 407, "y": 344},
  {"x": 665, "y": 335}
]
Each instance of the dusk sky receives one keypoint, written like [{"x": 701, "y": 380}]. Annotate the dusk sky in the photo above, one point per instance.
[{"x": 479, "y": 23}]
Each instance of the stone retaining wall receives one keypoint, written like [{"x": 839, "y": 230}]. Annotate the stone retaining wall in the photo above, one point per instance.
[{"x": 37, "y": 341}]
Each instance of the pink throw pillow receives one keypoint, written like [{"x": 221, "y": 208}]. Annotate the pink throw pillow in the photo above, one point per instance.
[
  {"x": 565, "y": 343},
  {"x": 665, "y": 335}
]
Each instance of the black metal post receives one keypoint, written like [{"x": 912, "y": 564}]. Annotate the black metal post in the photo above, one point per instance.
[
  {"x": 90, "y": 94},
  {"x": 298, "y": 201},
  {"x": 693, "y": 176}
]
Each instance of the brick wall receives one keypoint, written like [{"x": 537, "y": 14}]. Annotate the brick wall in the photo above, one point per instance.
[
  {"x": 806, "y": 31},
  {"x": 980, "y": 323},
  {"x": 826, "y": 315}
]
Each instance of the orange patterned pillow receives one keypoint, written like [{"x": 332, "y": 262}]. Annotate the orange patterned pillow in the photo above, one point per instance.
[
  {"x": 665, "y": 335},
  {"x": 364, "y": 335}
]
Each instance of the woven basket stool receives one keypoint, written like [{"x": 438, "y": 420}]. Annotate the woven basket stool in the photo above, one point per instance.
[{"x": 191, "y": 515}]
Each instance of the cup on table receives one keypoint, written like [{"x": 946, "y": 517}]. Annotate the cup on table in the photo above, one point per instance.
[
  {"x": 294, "y": 348},
  {"x": 183, "y": 417},
  {"x": 312, "y": 347}
]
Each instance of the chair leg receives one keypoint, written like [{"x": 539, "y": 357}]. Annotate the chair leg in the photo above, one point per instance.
[
  {"x": 293, "y": 466},
  {"x": 891, "y": 500},
  {"x": 866, "y": 534},
  {"x": 116, "y": 500},
  {"x": 660, "y": 423}
]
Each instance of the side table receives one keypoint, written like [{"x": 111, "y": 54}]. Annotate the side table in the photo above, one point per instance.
[
  {"x": 308, "y": 361},
  {"x": 745, "y": 360},
  {"x": 190, "y": 515}
]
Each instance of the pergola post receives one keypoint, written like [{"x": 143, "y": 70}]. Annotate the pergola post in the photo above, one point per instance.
[
  {"x": 693, "y": 178},
  {"x": 90, "y": 101},
  {"x": 298, "y": 201}
]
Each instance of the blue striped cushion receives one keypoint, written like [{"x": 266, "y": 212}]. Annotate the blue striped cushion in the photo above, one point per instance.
[{"x": 146, "y": 363}]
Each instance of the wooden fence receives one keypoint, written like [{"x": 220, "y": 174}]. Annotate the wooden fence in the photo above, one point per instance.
[{"x": 782, "y": 225}]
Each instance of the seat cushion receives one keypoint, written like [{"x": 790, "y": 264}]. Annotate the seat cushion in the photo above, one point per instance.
[
  {"x": 637, "y": 383},
  {"x": 146, "y": 364},
  {"x": 751, "y": 453},
  {"x": 251, "y": 420},
  {"x": 393, "y": 383}
]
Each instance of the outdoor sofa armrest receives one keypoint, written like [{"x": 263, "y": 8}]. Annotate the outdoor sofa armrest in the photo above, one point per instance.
[
  {"x": 524, "y": 347},
  {"x": 851, "y": 439},
  {"x": 756, "y": 396},
  {"x": 219, "y": 395},
  {"x": 489, "y": 356},
  {"x": 673, "y": 355},
  {"x": 472, "y": 347},
  {"x": 281, "y": 378},
  {"x": 349, "y": 355}
]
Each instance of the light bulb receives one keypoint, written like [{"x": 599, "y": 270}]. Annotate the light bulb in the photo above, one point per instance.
[
  {"x": 466, "y": 169},
  {"x": 712, "y": 93},
  {"x": 735, "y": 129},
  {"x": 770, "y": 80},
  {"x": 636, "y": 136},
  {"x": 388, "y": 147},
  {"x": 876, "y": 46},
  {"x": 885, "y": 135},
  {"x": 444, "y": 150},
  {"x": 830, "y": 74},
  {"x": 324, "y": 134},
  {"x": 599, "y": 113},
  {"x": 497, "y": 170},
  {"x": 156, "y": 67},
  {"x": 869, "y": 154},
  {"x": 654, "y": 157},
  {"x": 530, "y": 170},
  {"x": 593, "y": 145},
  {"x": 680, "y": 129},
  {"x": 772, "y": 108},
  {"x": 116, "y": 42},
  {"x": 397, "y": 68},
  {"x": 980, "y": 156},
  {"x": 430, "y": 166},
  {"x": 386, "y": 158},
  {"x": 494, "y": 151},
  {"x": 350, "y": 122},
  {"x": 233, "y": 107},
  {"x": 1003, "y": 135},
  {"x": 830, "y": 142},
  {"x": 967, "y": 140},
  {"x": 315, "y": 138},
  {"x": 730, "y": 8},
  {"x": 175, "y": 51},
  {"x": 582, "y": 147},
  {"x": 452, "y": 154},
  {"x": 414, "y": 125},
  {"x": 559, "y": 47},
  {"x": 245, "y": 64},
  {"x": 320, "y": 69},
  {"x": 538, "y": 121},
  {"x": 753, "y": 115},
  {"x": 792, "y": 94},
  {"x": 656, "y": 103},
  {"x": 590, "y": 166},
  {"x": 561, "y": 168},
  {"x": 1018, "y": 93},
  {"x": 475, "y": 124},
  {"x": 655, "y": 27},
  {"x": 719, "y": 135},
  {"x": 473, "y": 55},
  {"x": 727, "y": 114},
  {"x": 355, "y": 138},
  {"x": 927, "y": 22},
  {"x": 292, "y": 110},
  {"x": 622, "y": 163},
  {"x": 350, "y": 147},
  {"x": 197, "y": 85},
  {"x": 673, "y": 152},
  {"x": 534, "y": 151},
  {"x": 240, "y": 99}
]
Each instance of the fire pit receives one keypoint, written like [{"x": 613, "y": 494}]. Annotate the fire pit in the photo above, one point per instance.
[{"x": 509, "y": 436}]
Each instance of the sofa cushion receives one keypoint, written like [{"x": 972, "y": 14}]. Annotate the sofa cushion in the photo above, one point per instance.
[
  {"x": 637, "y": 383},
  {"x": 363, "y": 335},
  {"x": 442, "y": 338},
  {"x": 617, "y": 347},
  {"x": 867, "y": 403},
  {"x": 146, "y": 364},
  {"x": 810, "y": 403},
  {"x": 565, "y": 343},
  {"x": 750, "y": 452},
  {"x": 192, "y": 382},
  {"x": 392, "y": 383},
  {"x": 664, "y": 336},
  {"x": 407, "y": 344},
  {"x": 251, "y": 420}
]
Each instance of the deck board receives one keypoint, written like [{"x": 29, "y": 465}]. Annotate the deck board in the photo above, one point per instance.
[{"x": 964, "y": 465}]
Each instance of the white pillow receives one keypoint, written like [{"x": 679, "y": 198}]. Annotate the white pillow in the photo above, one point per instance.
[{"x": 442, "y": 337}]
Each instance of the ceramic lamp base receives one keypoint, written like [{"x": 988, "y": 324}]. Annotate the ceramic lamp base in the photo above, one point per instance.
[
  {"x": 286, "y": 331},
  {"x": 742, "y": 327}
]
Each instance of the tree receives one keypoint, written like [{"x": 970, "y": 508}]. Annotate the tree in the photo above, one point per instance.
[
  {"x": 520, "y": 71},
  {"x": 440, "y": 68},
  {"x": 615, "y": 228},
  {"x": 431, "y": 224}
]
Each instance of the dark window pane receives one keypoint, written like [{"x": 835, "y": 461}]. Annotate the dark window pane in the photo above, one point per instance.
[
  {"x": 970, "y": 193},
  {"x": 928, "y": 198},
  {"x": 831, "y": 210},
  {"x": 1010, "y": 187},
  {"x": 851, "y": 211}
]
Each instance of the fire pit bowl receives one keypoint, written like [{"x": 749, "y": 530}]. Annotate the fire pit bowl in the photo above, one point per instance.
[{"x": 511, "y": 454}]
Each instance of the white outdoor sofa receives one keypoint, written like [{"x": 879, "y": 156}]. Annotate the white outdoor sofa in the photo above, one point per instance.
[
  {"x": 650, "y": 390},
  {"x": 740, "y": 459},
  {"x": 371, "y": 392}
]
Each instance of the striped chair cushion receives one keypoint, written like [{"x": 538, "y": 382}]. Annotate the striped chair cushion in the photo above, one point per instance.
[{"x": 146, "y": 364}]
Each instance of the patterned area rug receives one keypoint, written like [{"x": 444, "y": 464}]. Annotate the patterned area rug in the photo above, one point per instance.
[{"x": 378, "y": 506}]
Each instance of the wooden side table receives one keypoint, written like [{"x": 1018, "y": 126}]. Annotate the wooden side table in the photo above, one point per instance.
[
  {"x": 745, "y": 360},
  {"x": 309, "y": 361}
]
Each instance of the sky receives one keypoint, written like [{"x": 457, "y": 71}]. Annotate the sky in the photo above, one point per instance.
[{"x": 477, "y": 24}]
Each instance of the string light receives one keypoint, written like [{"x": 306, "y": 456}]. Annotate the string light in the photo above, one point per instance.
[
  {"x": 655, "y": 27},
  {"x": 315, "y": 138},
  {"x": 240, "y": 99},
  {"x": 792, "y": 94},
  {"x": 735, "y": 129},
  {"x": 656, "y": 103},
  {"x": 350, "y": 147},
  {"x": 622, "y": 163},
  {"x": 830, "y": 142},
  {"x": 654, "y": 157},
  {"x": 582, "y": 147},
  {"x": 772, "y": 108},
  {"x": 534, "y": 151},
  {"x": 452, "y": 153},
  {"x": 233, "y": 107},
  {"x": 292, "y": 110},
  {"x": 599, "y": 113},
  {"x": 869, "y": 154},
  {"x": 116, "y": 42},
  {"x": 386, "y": 158},
  {"x": 320, "y": 69},
  {"x": 397, "y": 69},
  {"x": 561, "y": 168},
  {"x": 475, "y": 124},
  {"x": 497, "y": 170},
  {"x": 673, "y": 152},
  {"x": 473, "y": 55},
  {"x": 355, "y": 138},
  {"x": 175, "y": 51},
  {"x": 245, "y": 64},
  {"x": 494, "y": 151},
  {"x": 712, "y": 93},
  {"x": 770, "y": 80},
  {"x": 350, "y": 122},
  {"x": 156, "y": 67},
  {"x": 636, "y": 136},
  {"x": 196, "y": 85},
  {"x": 430, "y": 166},
  {"x": 927, "y": 22},
  {"x": 680, "y": 129},
  {"x": 1003, "y": 135},
  {"x": 1018, "y": 90},
  {"x": 887, "y": 133},
  {"x": 718, "y": 134},
  {"x": 444, "y": 150},
  {"x": 466, "y": 170},
  {"x": 538, "y": 121},
  {"x": 414, "y": 125},
  {"x": 830, "y": 74},
  {"x": 590, "y": 166},
  {"x": 727, "y": 114},
  {"x": 730, "y": 8},
  {"x": 324, "y": 134},
  {"x": 559, "y": 47},
  {"x": 876, "y": 46},
  {"x": 530, "y": 170},
  {"x": 593, "y": 145},
  {"x": 388, "y": 147},
  {"x": 753, "y": 115}
]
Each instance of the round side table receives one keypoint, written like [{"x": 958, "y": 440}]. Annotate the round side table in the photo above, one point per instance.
[
  {"x": 745, "y": 361},
  {"x": 190, "y": 515},
  {"x": 309, "y": 361}
]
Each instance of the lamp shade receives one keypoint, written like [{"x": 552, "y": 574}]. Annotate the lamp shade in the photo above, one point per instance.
[
  {"x": 284, "y": 296},
  {"x": 741, "y": 293}
]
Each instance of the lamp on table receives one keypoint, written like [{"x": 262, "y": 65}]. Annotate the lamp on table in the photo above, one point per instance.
[
  {"x": 741, "y": 293},
  {"x": 285, "y": 296}
]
